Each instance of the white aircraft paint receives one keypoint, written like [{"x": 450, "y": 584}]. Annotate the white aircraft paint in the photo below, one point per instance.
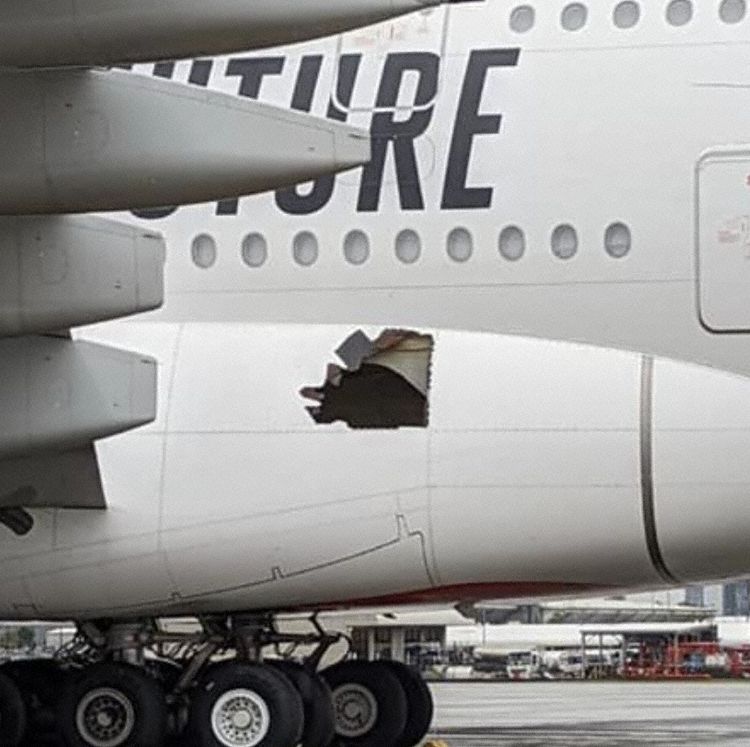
[
  {"x": 600, "y": 126},
  {"x": 538, "y": 461},
  {"x": 527, "y": 480}
]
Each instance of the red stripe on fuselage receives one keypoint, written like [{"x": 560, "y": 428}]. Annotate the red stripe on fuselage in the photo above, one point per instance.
[{"x": 470, "y": 593}]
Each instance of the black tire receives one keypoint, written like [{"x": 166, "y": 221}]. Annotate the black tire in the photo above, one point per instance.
[
  {"x": 419, "y": 702},
  {"x": 284, "y": 717},
  {"x": 166, "y": 672},
  {"x": 320, "y": 724},
  {"x": 12, "y": 713},
  {"x": 126, "y": 694},
  {"x": 41, "y": 683},
  {"x": 356, "y": 687}
]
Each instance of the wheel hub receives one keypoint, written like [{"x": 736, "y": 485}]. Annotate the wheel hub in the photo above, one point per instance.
[
  {"x": 240, "y": 718},
  {"x": 356, "y": 710},
  {"x": 105, "y": 717}
]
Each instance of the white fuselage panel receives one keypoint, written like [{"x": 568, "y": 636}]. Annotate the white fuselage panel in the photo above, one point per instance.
[{"x": 528, "y": 479}]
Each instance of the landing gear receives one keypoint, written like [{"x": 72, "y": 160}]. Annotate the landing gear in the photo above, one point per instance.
[
  {"x": 12, "y": 713},
  {"x": 113, "y": 705},
  {"x": 40, "y": 681},
  {"x": 379, "y": 703},
  {"x": 419, "y": 704},
  {"x": 317, "y": 701},
  {"x": 369, "y": 702},
  {"x": 139, "y": 684},
  {"x": 245, "y": 705}
]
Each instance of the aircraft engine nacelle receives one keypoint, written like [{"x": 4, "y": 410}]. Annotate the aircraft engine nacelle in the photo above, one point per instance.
[
  {"x": 101, "y": 32},
  {"x": 85, "y": 141},
  {"x": 60, "y": 395},
  {"x": 66, "y": 271}
]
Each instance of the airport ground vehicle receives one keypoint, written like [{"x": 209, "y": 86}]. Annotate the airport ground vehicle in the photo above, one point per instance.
[{"x": 685, "y": 659}]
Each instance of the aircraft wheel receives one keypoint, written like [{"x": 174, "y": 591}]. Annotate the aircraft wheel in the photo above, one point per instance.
[
  {"x": 320, "y": 727},
  {"x": 245, "y": 705},
  {"x": 40, "y": 682},
  {"x": 12, "y": 713},
  {"x": 369, "y": 704},
  {"x": 419, "y": 703},
  {"x": 113, "y": 705}
]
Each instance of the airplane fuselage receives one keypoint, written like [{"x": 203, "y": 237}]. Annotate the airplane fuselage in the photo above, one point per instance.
[
  {"x": 585, "y": 185},
  {"x": 540, "y": 468},
  {"x": 561, "y": 184}
]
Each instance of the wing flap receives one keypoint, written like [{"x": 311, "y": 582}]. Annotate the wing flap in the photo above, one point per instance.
[{"x": 65, "y": 480}]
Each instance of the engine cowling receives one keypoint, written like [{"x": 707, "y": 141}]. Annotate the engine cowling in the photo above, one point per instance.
[
  {"x": 58, "y": 272},
  {"x": 102, "y": 32},
  {"x": 60, "y": 395},
  {"x": 85, "y": 141}
]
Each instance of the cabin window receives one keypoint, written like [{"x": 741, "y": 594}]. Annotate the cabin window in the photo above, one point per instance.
[
  {"x": 627, "y": 14},
  {"x": 680, "y": 12},
  {"x": 408, "y": 246},
  {"x": 512, "y": 243},
  {"x": 617, "y": 240},
  {"x": 356, "y": 247},
  {"x": 305, "y": 249},
  {"x": 203, "y": 251},
  {"x": 574, "y": 17},
  {"x": 460, "y": 245},
  {"x": 522, "y": 19},
  {"x": 564, "y": 242},
  {"x": 254, "y": 250},
  {"x": 732, "y": 11}
]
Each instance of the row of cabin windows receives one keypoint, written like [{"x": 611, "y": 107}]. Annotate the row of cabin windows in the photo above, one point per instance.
[
  {"x": 626, "y": 14},
  {"x": 459, "y": 246}
]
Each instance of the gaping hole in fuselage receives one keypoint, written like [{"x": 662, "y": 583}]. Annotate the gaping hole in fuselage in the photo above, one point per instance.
[{"x": 385, "y": 382}]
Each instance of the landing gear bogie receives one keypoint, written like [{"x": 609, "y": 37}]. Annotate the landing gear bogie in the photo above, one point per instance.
[{"x": 136, "y": 684}]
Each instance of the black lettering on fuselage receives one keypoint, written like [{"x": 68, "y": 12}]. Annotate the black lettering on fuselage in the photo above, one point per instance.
[
  {"x": 469, "y": 124},
  {"x": 252, "y": 70},
  {"x": 290, "y": 200},
  {"x": 200, "y": 72},
  {"x": 164, "y": 70},
  {"x": 387, "y": 131}
]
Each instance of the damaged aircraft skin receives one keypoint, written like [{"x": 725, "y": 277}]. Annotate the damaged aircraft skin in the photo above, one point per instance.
[
  {"x": 234, "y": 498},
  {"x": 385, "y": 383}
]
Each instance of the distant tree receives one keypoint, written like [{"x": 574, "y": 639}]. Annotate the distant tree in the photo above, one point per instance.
[
  {"x": 26, "y": 637},
  {"x": 9, "y": 638}
]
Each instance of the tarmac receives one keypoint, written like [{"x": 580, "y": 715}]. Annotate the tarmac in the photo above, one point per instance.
[{"x": 479, "y": 714}]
